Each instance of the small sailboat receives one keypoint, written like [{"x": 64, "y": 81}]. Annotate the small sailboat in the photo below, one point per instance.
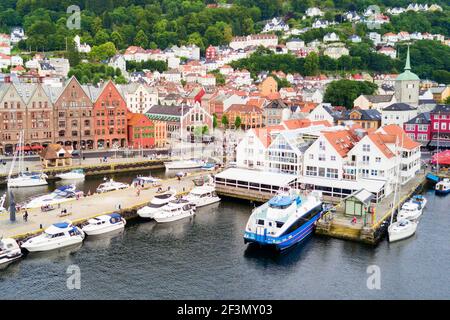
[
  {"x": 402, "y": 228},
  {"x": 104, "y": 224},
  {"x": 60, "y": 195},
  {"x": 75, "y": 174},
  {"x": 24, "y": 178}
]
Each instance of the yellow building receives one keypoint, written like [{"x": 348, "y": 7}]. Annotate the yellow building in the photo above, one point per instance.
[{"x": 268, "y": 86}]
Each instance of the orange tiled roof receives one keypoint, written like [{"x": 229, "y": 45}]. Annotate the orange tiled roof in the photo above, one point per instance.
[
  {"x": 342, "y": 141},
  {"x": 403, "y": 139},
  {"x": 380, "y": 141}
]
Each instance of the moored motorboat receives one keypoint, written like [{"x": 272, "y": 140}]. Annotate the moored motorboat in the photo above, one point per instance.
[
  {"x": 401, "y": 229},
  {"x": 27, "y": 180},
  {"x": 203, "y": 195},
  {"x": 147, "y": 181},
  {"x": 284, "y": 220},
  {"x": 175, "y": 210},
  {"x": 111, "y": 185},
  {"x": 410, "y": 210},
  {"x": 157, "y": 203},
  {"x": 104, "y": 224},
  {"x": 184, "y": 164},
  {"x": 76, "y": 174},
  {"x": 420, "y": 199},
  {"x": 443, "y": 187},
  {"x": 60, "y": 195},
  {"x": 58, "y": 235},
  {"x": 9, "y": 251}
]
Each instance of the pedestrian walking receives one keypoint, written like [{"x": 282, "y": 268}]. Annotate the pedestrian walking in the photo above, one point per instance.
[{"x": 25, "y": 216}]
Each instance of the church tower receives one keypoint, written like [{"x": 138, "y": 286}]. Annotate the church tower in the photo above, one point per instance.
[{"x": 407, "y": 85}]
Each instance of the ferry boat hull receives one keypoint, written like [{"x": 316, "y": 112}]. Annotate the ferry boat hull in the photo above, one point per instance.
[
  {"x": 285, "y": 242},
  {"x": 443, "y": 187},
  {"x": 71, "y": 176}
]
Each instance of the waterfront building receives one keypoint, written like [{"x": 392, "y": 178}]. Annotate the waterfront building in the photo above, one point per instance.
[
  {"x": 74, "y": 117},
  {"x": 12, "y": 117},
  {"x": 139, "y": 97},
  {"x": 55, "y": 155},
  {"x": 110, "y": 118},
  {"x": 251, "y": 150},
  {"x": 419, "y": 128},
  {"x": 141, "y": 131},
  {"x": 440, "y": 126}
]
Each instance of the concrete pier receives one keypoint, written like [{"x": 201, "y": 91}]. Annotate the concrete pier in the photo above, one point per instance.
[{"x": 89, "y": 207}]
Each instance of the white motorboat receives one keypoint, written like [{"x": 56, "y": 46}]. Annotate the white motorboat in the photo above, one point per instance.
[
  {"x": 24, "y": 178},
  {"x": 203, "y": 195},
  {"x": 184, "y": 164},
  {"x": 147, "y": 181},
  {"x": 104, "y": 224},
  {"x": 402, "y": 229},
  {"x": 9, "y": 251},
  {"x": 410, "y": 210},
  {"x": 58, "y": 235},
  {"x": 157, "y": 203},
  {"x": 443, "y": 187},
  {"x": 28, "y": 180},
  {"x": 76, "y": 174},
  {"x": 420, "y": 199},
  {"x": 175, "y": 210},
  {"x": 60, "y": 195},
  {"x": 111, "y": 185}
]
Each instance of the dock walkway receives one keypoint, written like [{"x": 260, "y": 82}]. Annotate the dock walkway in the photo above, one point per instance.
[
  {"x": 366, "y": 229},
  {"x": 89, "y": 207}
]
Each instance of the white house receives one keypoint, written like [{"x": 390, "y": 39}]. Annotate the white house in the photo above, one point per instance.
[
  {"x": 118, "y": 61},
  {"x": 265, "y": 40},
  {"x": 139, "y": 97},
  {"x": 336, "y": 51},
  {"x": 16, "y": 60},
  {"x": 326, "y": 156},
  {"x": 322, "y": 112},
  {"x": 5, "y": 61},
  {"x": 251, "y": 150},
  {"x": 355, "y": 38},
  {"x": 330, "y": 37},
  {"x": 276, "y": 24},
  {"x": 388, "y": 51},
  {"x": 397, "y": 114},
  {"x": 314, "y": 12},
  {"x": 295, "y": 44},
  {"x": 81, "y": 47}
]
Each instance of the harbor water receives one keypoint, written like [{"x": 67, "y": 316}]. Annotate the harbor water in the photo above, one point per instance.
[{"x": 205, "y": 258}]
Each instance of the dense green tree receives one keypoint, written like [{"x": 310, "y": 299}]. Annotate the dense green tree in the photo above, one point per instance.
[
  {"x": 141, "y": 39},
  {"x": 311, "y": 65},
  {"x": 237, "y": 122},
  {"x": 344, "y": 92}
]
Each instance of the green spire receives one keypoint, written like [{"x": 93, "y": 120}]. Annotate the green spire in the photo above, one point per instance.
[{"x": 408, "y": 63}]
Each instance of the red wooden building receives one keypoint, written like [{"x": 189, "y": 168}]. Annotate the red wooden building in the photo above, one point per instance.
[
  {"x": 141, "y": 131},
  {"x": 110, "y": 118}
]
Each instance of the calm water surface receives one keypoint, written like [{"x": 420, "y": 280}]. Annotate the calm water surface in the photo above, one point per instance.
[{"x": 205, "y": 258}]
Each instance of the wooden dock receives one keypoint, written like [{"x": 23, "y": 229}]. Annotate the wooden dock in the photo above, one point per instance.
[
  {"x": 337, "y": 225},
  {"x": 91, "y": 206}
]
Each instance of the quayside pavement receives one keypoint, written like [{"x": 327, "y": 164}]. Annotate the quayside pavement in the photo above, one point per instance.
[{"x": 89, "y": 206}]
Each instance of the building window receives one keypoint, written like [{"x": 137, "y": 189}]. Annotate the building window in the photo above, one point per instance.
[
  {"x": 332, "y": 173},
  {"x": 366, "y": 147},
  {"x": 311, "y": 171},
  {"x": 321, "y": 157},
  {"x": 333, "y": 158},
  {"x": 377, "y": 159}
]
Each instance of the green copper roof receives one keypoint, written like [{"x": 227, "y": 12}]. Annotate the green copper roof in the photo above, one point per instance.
[{"x": 407, "y": 75}]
